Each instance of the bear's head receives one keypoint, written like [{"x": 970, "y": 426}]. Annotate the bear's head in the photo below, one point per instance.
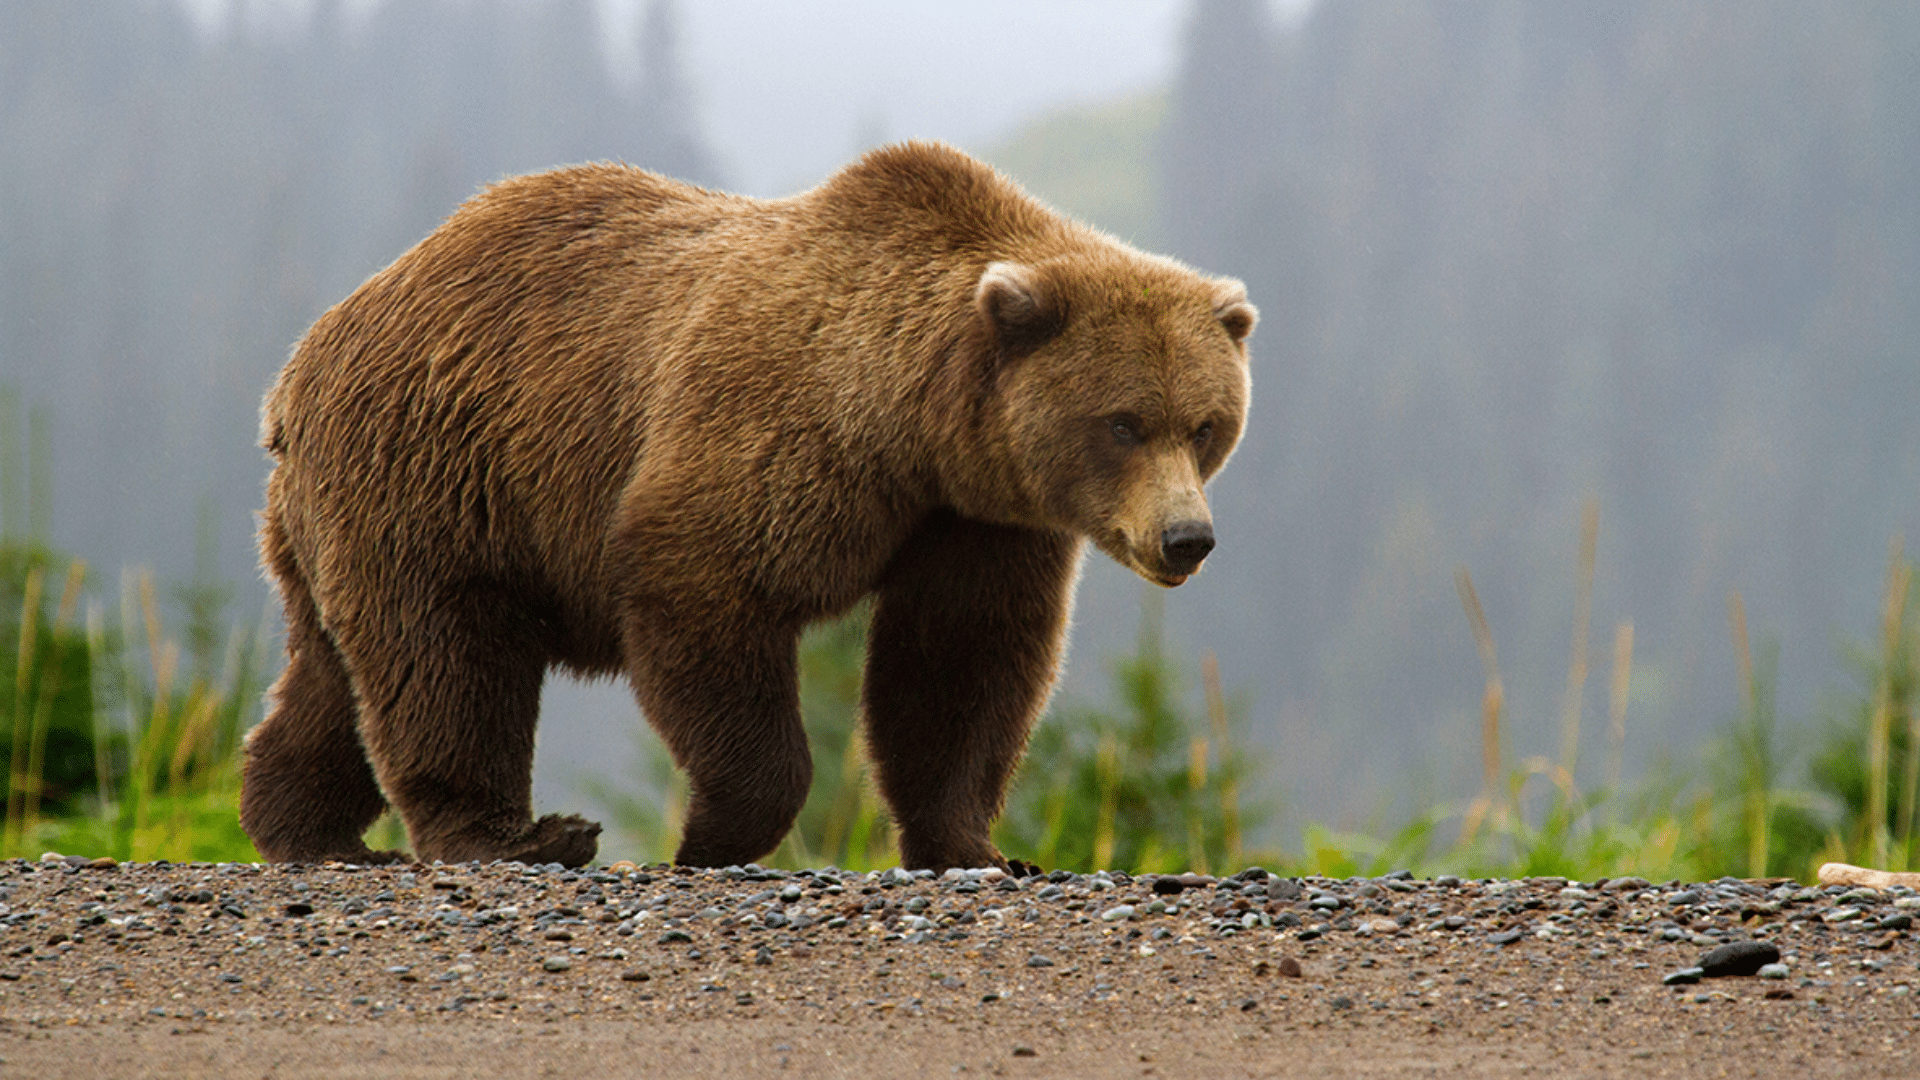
[{"x": 1119, "y": 386}]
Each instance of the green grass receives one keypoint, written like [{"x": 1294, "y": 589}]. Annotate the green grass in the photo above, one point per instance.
[
  {"x": 1139, "y": 784},
  {"x": 123, "y": 738},
  {"x": 159, "y": 726}
]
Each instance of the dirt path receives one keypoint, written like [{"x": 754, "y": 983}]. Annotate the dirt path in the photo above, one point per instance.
[{"x": 236, "y": 970}]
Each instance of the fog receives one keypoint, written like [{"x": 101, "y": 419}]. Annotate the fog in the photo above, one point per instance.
[{"x": 1514, "y": 258}]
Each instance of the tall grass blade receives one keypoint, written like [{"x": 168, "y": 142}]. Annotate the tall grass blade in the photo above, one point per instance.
[
  {"x": 1487, "y": 804},
  {"x": 1617, "y": 703},
  {"x": 102, "y": 738},
  {"x": 1196, "y": 789},
  {"x": 49, "y": 679},
  {"x": 17, "y": 780},
  {"x": 1752, "y": 744},
  {"x": 1229, "y": 782},
  {"x": 1880, "y": 730},
  {"x": 1582, "y": 615},
  {"x": 1108, "y": 771}
]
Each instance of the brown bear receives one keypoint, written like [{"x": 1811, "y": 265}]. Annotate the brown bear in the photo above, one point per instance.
[{"x": 610, "y": 422}]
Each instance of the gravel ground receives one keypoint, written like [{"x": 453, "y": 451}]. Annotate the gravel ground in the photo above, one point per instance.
[{"x": 241, "y": 969}]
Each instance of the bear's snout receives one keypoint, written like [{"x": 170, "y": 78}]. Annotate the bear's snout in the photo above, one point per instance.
[{"x": 1184, "y": 544}]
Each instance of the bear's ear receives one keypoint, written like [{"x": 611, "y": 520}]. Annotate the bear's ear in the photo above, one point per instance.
[
  {"x": 1022, "y": 306},
  {"x": 1230, "y": 306}
]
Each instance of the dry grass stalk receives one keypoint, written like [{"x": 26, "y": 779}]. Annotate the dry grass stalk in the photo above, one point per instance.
[
  {"x": 1109, "y": 773},
  {"x": 1488, "y": 804},
  {"x": 1229, "y": 787},
  {"x": 1582, "y": 616},
  {"x": 1196, "y": 784},
  {"x": 1759, "y": 803},
  {"x": 1617, "y": 703},
  {"x": 1880, "y": 731}
]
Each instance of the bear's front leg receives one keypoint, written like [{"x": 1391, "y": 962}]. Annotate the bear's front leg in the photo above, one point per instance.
[
  {"x": 965, "y": 645},
  {"x": 723, "y": 693}
]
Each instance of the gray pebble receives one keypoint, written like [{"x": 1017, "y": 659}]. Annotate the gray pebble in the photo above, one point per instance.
[
  {"x": 1683, "y": 977},
  {"x": 1279, "y": 888},
  {"x": 556, "y": 963}
]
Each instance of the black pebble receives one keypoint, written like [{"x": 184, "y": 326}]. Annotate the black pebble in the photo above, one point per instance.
[
  {"x": 299, "y": 909},
  {"x": 1738, "y": 958},
  {"x": 1167, "y": 886}
]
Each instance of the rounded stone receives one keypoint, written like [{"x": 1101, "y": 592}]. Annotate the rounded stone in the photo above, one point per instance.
[{"x": 1738, "y": 958}]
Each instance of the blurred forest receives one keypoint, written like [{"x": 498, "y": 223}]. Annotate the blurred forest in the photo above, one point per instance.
[
  {"x": 1511, "y": 256},
  {"x": 175, "y": 208}
]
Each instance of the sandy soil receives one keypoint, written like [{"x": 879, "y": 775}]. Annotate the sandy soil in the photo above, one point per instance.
[{"x": 237, "y": 970}]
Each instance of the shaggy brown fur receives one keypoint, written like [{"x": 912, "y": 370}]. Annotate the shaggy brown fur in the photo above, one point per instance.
[{"x": 614, "y": 423}]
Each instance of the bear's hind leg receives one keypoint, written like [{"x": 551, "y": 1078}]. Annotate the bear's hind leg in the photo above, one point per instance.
[
  {"x": 307, "y": 793},
  {"x": 448, "y": 716},
  {"x": 966, "y": 640}
]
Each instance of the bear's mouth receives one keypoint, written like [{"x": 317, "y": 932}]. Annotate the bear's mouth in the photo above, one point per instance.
[{"x": 1144, "y": 565}]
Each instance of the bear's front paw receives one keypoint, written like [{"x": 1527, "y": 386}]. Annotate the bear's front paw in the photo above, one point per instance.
[{"x": 568, "y": 839}]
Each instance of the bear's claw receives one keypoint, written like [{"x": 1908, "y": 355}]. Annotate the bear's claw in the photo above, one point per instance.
[{"x": 568, "y": 839}]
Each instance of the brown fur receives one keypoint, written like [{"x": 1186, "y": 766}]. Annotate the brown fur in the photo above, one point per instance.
[{"x": 614, "y": 423}]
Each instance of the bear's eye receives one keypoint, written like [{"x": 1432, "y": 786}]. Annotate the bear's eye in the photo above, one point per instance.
[
  {"x": 1202, "y": 435},
  {"x": 1125, "y": 431}
]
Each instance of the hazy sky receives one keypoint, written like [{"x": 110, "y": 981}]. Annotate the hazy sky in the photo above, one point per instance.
[{"x": 789, "y": 91}]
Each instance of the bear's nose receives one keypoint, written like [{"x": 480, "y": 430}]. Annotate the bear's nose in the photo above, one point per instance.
[{"x": 1185, "y": 544}]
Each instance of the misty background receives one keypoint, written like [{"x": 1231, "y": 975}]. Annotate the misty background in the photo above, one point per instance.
[{"x": 1511, "y": 257}]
